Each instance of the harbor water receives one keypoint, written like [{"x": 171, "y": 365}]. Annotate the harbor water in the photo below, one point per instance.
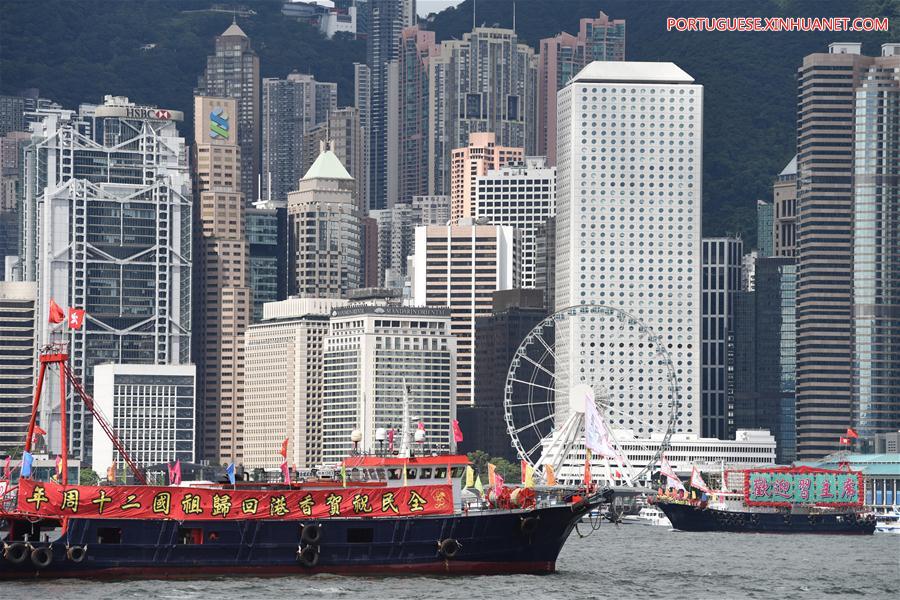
[{"x": 621, "y": 562}]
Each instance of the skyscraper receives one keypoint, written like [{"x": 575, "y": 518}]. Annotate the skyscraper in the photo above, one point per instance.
[
  {"x": 629, "y": 164},
  {"x": 825, "y": 216},
  {"x": 267, "y": 238},
  {"x": 12, "y": 114},
  {"x": 480, "y": 154},
  {"x": 765, "y": 228},
  {"x": 876, "y": 247},
  {"x": 362, "y": 100},
  {"x": 290, "y": 107},
  {"x": 324, "y": 226},
  {"x": 12, "y": 175},
  {"x": 523, "y": 196},
  {"x": 460, "y": 267},
  {"x": 113, "y": 239},
  {"x": 486, "y": 82},
  {"x": 343, "y": 134},
  {"x": 387, "y": 18},
  {"x": 285, "y": 382},
  {"x": 223, "y": 306},
  {"x": 416, "y": 46},
  {"x": 784, "y": 196},
  {"x": 561, "y": 58},
  {"x": 721, "y": 281},
  {"x": 233, "y": 72},
  {"x": 371, "y": 353},
  {"x": 17, "y": 359},
  {"x": 396, "y": 227}
]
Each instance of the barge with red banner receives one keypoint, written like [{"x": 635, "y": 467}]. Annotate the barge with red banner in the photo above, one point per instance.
[
  {"x": 777, "y": 500},
  {"x": 392, "y": 514}
]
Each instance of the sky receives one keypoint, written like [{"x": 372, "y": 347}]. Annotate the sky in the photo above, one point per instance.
[{"x": 426, "y": 7}]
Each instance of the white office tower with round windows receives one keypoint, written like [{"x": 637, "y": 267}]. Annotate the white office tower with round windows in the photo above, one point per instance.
[{"x": 629, "y": 149}]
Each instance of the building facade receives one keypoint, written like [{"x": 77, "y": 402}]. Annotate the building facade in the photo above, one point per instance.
[
  {"x": 626, "y": 246},
  {"x": 765, "y": 228},
  {"x": 102, "y": 234},
  {"x": 18, "y": 348},
  {"x": 224, "y": 303},
  {"x": 290, "y": 108},
  {"x": 12, "y": 177},
  {"x": 325, "y": 231},
  {"x": 876, "y": 247},
  {"x": 285, "y": 383},
  {"x": 765, "y": 355},
  {"x": 376, "y": 359},
  {"x": 460, "y": 267},
  {"x": 721, "y": 281},
  {"x": 560, "y": 58},
  {"x": 416, "y": 46},
  {"x": 522, "y": 196},
  {"x": 486, "y": 82},
  {"x": 268, "y": 245},
  {"x": 362, "y": 101},
  {"x": 480, "y": 155},
  {"x": 232, "y": 71},
  {"x": 432, "y": 210},
  {"x": 396, "y": 228},
  {"x": 784, "y": 196},
  {"x": 152, "y": 408}
]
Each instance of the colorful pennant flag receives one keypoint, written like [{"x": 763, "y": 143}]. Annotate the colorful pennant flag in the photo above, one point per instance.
[
  {"x": 27, "y": 460},
  {"x": 851, "y": 433},
  {"x": 498, "y": 484},
  {"x": 286, "y": 472},
  {"x": 343, "y": 475},
  {"x": 470, "y": 476},
  {"x": 56, "y": 313},
  {"x": 549, "y": 475},
  {"x": 229, "y": 470},
  {"x": 492, "y": 475},
  {"x": 284, "y": 448},
  {"x": 671, "y": 477},
  {"x": 175, "y": 473},
  {"x": 529, "y": 476},
  {"x": 587, "y": 469},
  {"x": 7, "y": 469},
  {"x": 390, "y": 435},
  {"x": 457, "y": 432},
  {"x": 697, "y": 480},
  {"x": 478, "y": 485}
]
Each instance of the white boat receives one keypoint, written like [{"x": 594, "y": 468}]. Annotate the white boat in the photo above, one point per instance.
[
  {"x": 888, "y": 522},
  {"x": 649, "y": 515}
]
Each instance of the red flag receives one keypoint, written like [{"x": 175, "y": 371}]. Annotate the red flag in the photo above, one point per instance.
[
  {"x": 587, "y": 471},
  {"x": 851, "y": 433},
  {"x": 38, "y": 430},
  {"x": 286, "y": 471},
  {"x": 391, "y": 439},
  {"x": 284, "y": 447},
  {"x": 498, "y": 484},
  {"x": 845, "y": 441},
  {"x": 58, "y": 466},
  {"x": 618, "y": 475},
  {"x": 457, "y": 432},
  {"x": 7, "y": 470},
  {"x": 76, "y": 318},
  {"x": 56, "y": 313},
  {"x": 175, "y": 473}
]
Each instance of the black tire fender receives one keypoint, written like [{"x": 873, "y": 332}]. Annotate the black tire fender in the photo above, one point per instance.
[
  {"x": 308, "y": 556},
  {"x": 42, "y": 556},
  {"x": 449, "y": 547},
  {"x": 16, "y": 553},
  {"x": 311, "y": 534},
  {"x": 76, "y": 553}
]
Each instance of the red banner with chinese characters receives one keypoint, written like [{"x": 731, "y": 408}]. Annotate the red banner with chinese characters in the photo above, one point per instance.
[{"x": 187, "y": 503}]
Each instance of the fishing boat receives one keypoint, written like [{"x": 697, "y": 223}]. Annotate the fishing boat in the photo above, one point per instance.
[
  {"x": 777, "y": 500},
  {"x": 400, "y": 514}
]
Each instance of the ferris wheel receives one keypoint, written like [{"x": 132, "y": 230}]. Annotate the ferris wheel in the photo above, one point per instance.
[{"x": 592, "y": 353}]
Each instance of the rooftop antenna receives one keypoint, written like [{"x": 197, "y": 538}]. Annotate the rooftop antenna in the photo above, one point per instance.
[
  {"x": 473, "y": 14},
  {"x": 514, "y": 17}
]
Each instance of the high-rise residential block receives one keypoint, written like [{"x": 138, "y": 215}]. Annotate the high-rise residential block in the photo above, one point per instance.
[
  {"x": 290, "y": 108},
  {"x": 18, "y": 347},
  {"x": 223, "y": 306},
  {"x": 876, "y": 247},
  {"x": 459, "y": 267},
  {"x": 115, "y": 240},
  {"x": 416, "y": 46},
  {"x": 12, "y": 177},
  {"x": 486, "y": 82},
  {"x": 233, "y": 72},
  {"x": 396, "y": 227},
  {"x": 765, "y": 354},
  {"x": 480, "y": 155},
  {"x": 324, "y": 225},
  {"x": 362, "y": 101},
  {"x": 833, "y": 170},
  {"x": 765, "y": 228},
  {"x": 387, "y": 19},
  {"x": 545, "y": 260},
  {"x": 284, "y": 382},
  {"x": 628, "y": 210},
  {"x": 784, "y": 196},
  {"x": 12, "y": 114},
  {"x": 376, "y": 359},
  {"x": 523, "y": 196},
  {"x": 721, "y": 265},
  {"x": 432, "y": 210},
  {"x": 561, "y": 58},
  {"x": 152, "y": 409}
]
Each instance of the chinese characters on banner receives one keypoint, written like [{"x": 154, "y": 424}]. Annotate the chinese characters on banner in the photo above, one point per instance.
[
  {"x": 784, "y": 487},
  {"x": 144, "y": 502}
]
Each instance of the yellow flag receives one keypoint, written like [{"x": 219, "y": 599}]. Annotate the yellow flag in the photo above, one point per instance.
[
  {"x": 549, "y": 475},
  {"x": 478, "y": 485},
  {"x": 344, "y": 475},
  {"x": 492, "y": 481},
  {"x": 404, "y": 475},
  {"x": 529, "y": 476},
  {"x": 693, "y": 495},
  {"x": 470, "y": 477}
]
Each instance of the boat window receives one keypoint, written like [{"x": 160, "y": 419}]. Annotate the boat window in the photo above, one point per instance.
[
  {"x": 411, "y": 473},
  {"x": 360, "y": 535},
  {"x": 393, "y": 473},
  {"x": 457, "y": 472},
  {"x": 440, "y": 473},
  {"x": 189, "y": 535},
  {"x": 426, "y": 473},
  {"x": 109, "y": 535}
]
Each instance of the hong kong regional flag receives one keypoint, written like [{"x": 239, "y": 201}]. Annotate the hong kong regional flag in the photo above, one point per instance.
[
  {"x": 56, "y": 313},
  {"x": 76, "y": 318}
]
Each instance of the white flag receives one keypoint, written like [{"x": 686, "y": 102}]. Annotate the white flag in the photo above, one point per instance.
[
  {"x": 596, "y": 435},
  {"x": 666, "y": 469},
  {"x": 697, "y": 481}
]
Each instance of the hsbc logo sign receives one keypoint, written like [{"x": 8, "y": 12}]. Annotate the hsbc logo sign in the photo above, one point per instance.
[
  {"x": 144, "y": 113},
  {"x": 163, "y": 115}
]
